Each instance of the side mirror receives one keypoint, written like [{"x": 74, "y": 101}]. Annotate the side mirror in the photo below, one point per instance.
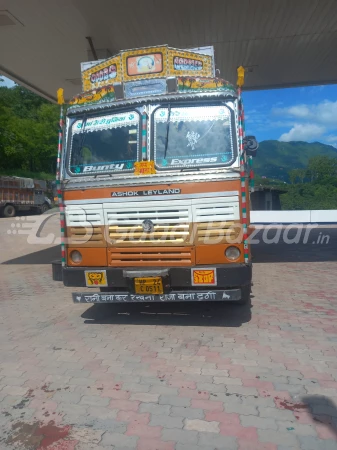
[{"x": 250, "y": 145}]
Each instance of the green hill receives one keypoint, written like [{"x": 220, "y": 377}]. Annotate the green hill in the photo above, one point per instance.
[{"x": 275, "y": 159}]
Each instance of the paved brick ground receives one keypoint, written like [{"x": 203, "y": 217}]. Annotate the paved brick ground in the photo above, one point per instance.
[{"x": 168, "y": 377}]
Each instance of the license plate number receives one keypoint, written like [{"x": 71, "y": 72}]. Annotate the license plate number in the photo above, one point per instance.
[{"x": 150, "y": 285}]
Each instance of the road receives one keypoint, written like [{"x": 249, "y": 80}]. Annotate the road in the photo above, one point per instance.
[{"x": 169, "y": 377}]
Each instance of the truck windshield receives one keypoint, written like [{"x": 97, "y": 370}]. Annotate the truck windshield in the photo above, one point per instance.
[
  {"x": 199, "y": 136},
  {"x": 111, "y": 144}
]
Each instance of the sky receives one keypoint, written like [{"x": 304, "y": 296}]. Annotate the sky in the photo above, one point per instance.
[
  {"x": 7, "y": 82},
  {"x": 296, "y": 114}
]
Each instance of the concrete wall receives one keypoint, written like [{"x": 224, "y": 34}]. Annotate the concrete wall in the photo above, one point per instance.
[{"x": 314, "y": 216}]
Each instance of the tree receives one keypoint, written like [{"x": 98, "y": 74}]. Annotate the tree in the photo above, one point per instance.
[
  {"x": 292, "y": 176},
  {"x": 320, "y": 190},
  {"x": 301, "y": 173},
  {"x": 322, "y": 169},
  {"x": 297, "y": 174},
  {"x": 28, "y": 131}
]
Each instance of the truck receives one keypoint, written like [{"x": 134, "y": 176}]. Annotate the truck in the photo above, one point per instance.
[
  {"x": 22, "y": 194},
  {"x": 154, "y": 181}
]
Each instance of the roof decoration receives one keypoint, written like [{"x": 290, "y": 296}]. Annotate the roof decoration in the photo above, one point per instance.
[
  {"x": 204, "y": 84},
  {"x": 149, "y": 62},
  {"x": 149, "y": 71}
]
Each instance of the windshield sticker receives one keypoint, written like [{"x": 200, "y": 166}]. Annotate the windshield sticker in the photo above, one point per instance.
[
  {"x": 193, "y": 161},
  {"x": 192, "y": 114},
  {"x": 103, "y": 168},
  {"x": 192, "y": 138},
  {"x": 107, "y": 167},
  {"x": 106, "y": 122}
]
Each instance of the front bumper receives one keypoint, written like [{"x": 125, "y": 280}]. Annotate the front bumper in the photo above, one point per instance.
[
  {"x": 230, "y": 279},
  {"x": 174, "y": 296}
]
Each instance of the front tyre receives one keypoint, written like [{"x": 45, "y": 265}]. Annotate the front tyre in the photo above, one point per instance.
[
  {"x": 9, "y": 211},
  {"x": 44, "y": 208}
]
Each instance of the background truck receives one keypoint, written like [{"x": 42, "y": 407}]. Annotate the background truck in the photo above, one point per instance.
[{"x": 22, "y": 194}]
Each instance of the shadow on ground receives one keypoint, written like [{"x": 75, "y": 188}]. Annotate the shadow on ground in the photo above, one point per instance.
[
  {"x": 40, "y": 257},
  {"x": 293, "y": 245},
  {"x": 323, "y": 410},
  {"x": 216, "y": 314}
]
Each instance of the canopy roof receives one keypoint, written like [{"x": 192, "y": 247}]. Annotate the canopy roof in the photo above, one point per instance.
[{"x": 282, "y": 42}]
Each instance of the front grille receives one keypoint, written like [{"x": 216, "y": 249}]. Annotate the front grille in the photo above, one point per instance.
[
  {"x": 220, "y": 209},
  {"x": 86, "y": 237},
  {"x": 217, "y": 232},
  {"x": 151, "y": 256},
  {"x": 177, "y": 223},
  {"x": 172, "y": 223},
  {"x": 84, "y": 216},
  {"x": 85, "y": 226}
]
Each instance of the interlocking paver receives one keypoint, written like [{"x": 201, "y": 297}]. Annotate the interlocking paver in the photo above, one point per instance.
[
  {"x": 154, "y": 444},
  {"x": 278, "y": 437},
  {"x": 265, "y": 379},
  {"x": 258, "y": 422},
  {"x": 190, "y": 413},
  {"x": 240, "y": 408},
  {"x": 145, "y": 397},
  {"x": 277, "y": 414},
  {"x": 119, "y": 441},
  {"x": 217, "y": 441},
  {"x": 193, "y": 447},
  {"x": 174, "y": 400},
  {"x": 201, "y": 425},
  {"x": 167, "y": 421},
  {"x": 180, "y": 436}
]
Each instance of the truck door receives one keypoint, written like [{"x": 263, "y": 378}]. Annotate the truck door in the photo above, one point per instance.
[{"x": 38, "y": 197}]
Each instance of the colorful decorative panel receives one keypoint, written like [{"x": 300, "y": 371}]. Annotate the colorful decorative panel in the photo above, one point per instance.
[
  {"x": 103, "y": 94},
  {"x": 202, "y": 84},
  {"x": 104, "y": 73},
  {"x": 148, "y": 62},
  {"x": 143, "y": 88},
  {"x": 181, "y": 62}
]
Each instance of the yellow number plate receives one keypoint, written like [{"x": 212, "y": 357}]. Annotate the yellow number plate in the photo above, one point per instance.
[
  {"x": 151, "y": 285},
  {"x": 95, "y": 278}
]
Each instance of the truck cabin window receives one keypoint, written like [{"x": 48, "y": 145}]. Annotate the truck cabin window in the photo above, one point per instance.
[
  {"x": 193, "y": 137},
  {"x": 104, "y": 144}
]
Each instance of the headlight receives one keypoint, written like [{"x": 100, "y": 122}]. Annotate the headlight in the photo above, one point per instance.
[
  {"x": 76, "y": 256},
  {"x": 232, "y": 253}
]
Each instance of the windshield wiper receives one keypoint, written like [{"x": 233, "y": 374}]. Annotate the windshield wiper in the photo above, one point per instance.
[
  {"x": 167, "y": 129},
  {"x": 84, "y": 123}
]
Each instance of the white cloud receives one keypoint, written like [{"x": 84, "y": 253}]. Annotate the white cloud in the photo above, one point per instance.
[
  {"x": 331, "y": 138},
  {"x": 303, "y": 132},
  {"x": 324, "y": 113}
]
